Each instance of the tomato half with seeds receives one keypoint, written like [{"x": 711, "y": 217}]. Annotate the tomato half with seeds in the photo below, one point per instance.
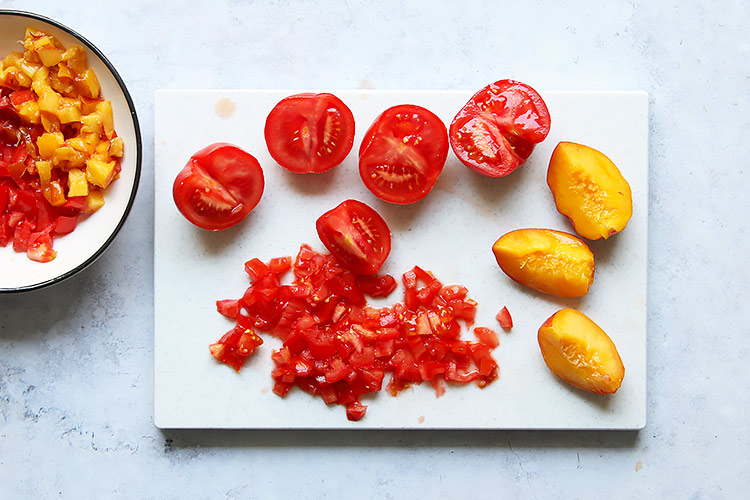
[
  {"x": 403, "y": 153},
  {"x": 310, "y": 133},
  {"x": 357, "y": 235},
  {"x": 496, "y": 131},
  {"x": 218, "y": 187}
]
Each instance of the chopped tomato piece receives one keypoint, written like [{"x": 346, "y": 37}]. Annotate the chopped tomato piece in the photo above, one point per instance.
[
  {"x": 234, "y": 347},
  {"x": 355, "y": 411},
  {"x": 377, "y": 285},
  {"x": 503, "y": 317},
  {"x": 280, "y": 265},
  {"x": 65, "y": 224},
  {"x": 256, "y": 269},
  {"x": 487, "y": 336},
  {"x": 40, "y": 246},
  {"x": 21, "y": 236},
  {"x": 229, "y": 308}
]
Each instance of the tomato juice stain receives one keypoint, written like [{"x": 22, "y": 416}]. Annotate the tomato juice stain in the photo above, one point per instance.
[{"x": 225, "y": 108}]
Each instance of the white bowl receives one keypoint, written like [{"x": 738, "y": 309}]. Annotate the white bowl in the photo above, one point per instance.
[{"x": 93, "y": 234}]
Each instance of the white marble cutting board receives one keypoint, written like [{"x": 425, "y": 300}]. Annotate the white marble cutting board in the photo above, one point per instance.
[{"x": 450, "y": 232}]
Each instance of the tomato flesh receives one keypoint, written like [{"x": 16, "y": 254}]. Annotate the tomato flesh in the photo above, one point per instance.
[
  {"x": 504, "y": 318},
  {"x": 339, "y": 348},
  {"x": 403, "y": 153},
  {"x": 357, "y": 235},
  {"x": 309, "y": 133},
  {"x": 497, "y": 129},
  {"x": 218, "y": 186},
  {"x": 28, "y": 220}
]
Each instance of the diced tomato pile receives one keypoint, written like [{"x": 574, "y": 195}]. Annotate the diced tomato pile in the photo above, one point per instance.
[
  {"x": 27, "y": 219},
  {"x": 58, "y": 147},
  {"x": 338, "y": 347}
]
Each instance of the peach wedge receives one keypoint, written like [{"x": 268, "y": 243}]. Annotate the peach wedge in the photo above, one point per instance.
[
  {"x": 578, "y": 351},
  {"x": 547, "y": 261},
  {"x": 589, "y": 190}
]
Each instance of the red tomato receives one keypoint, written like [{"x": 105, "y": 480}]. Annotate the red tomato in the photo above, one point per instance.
[
  {"x": 235, "y": 346},
  {"x": 403, "y": 153},
  {"x": 337, "y": 347},
  {"x": 496, "y": 131},
  {"x": 504, "y": 318},
  {"x": 355, "y": 411},
  {"x": 65, "y": 224},
  {"x": 218, "y": 187},
  {"x": 310, "y": 133},
  {"x": 21, "y": 96},
  {"x": 487, "y": 336},
  {"x": 357, "y": 235},
  {"x": 376, "y": 285},
  {"x": 40, "y": 246}
]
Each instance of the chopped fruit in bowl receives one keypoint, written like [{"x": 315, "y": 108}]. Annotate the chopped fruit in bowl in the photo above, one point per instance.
[{"x": 70, "y": 152}]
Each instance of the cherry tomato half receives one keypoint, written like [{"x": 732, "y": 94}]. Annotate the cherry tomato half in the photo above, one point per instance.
[
  {"x": 496, "y": 131},
  {"x": 218, "y": 187},
  {"x": 310, "y": 133},
  {"x": 403, "y": 153},
  {"x": 357, "y": 235}
]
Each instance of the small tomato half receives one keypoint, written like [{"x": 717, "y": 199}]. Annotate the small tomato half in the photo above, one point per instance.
[
  {"x": 497, "y": 129},
  {"x": 218, "y": 186},
  {"x": 403, "y": 153},
  {"x": 309, "y": 133},
  {"x": 357, "y": 235}
]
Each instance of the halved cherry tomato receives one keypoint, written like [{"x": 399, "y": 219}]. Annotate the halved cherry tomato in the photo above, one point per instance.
[
  {"x": 403, "y": 153},
  {"x": 310, "y": 133},
  {"x": 218, "y": 187},
  {"x": 496, "y": 131},
  {"x": 357, "y": 235}
]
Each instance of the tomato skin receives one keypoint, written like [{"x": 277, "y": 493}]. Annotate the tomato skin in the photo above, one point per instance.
[
  {"x": 309, "y": 133},
  {"x": 497, "y": 129},
  {"x": 403, "y": 153},
  {"x": 376, "y": 285},
  {"x": 65, "y": 224},
  {"x": 218, "y": 186},
  {"x": 357, "y": 235}
]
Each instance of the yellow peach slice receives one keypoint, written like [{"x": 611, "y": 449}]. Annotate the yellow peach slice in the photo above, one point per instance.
[
  {"x": 589, "y": 190},
  {"x": 578, "y": 351},
  {"x": 545, "y": 260}
]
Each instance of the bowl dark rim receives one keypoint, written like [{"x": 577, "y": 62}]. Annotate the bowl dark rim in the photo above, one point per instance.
[{"x": 139, "y": 148}]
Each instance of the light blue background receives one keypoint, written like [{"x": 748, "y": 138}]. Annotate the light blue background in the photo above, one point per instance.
[{"x": 76, "y": 368}]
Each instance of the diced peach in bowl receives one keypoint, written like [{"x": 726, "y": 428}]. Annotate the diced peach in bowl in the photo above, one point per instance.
[{"x": 70, "y": 155}]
